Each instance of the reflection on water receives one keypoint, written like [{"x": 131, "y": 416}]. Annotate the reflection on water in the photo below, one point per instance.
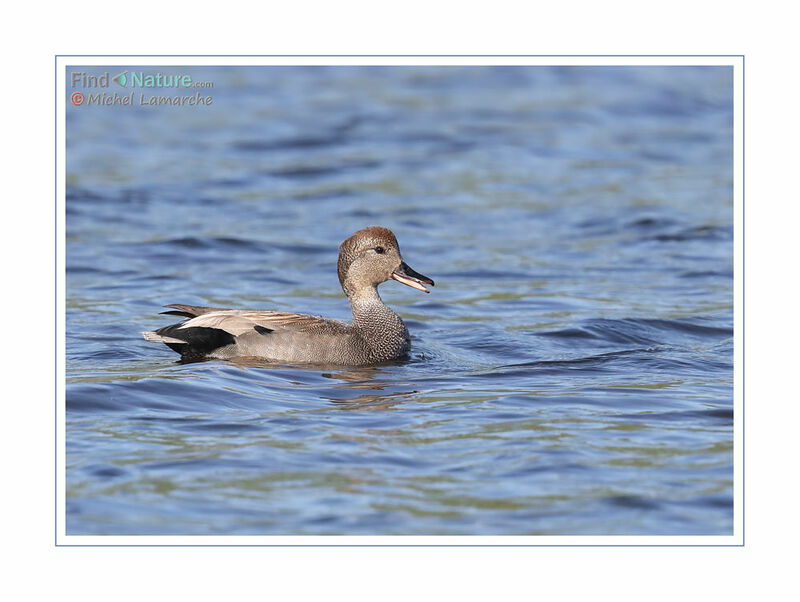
[
  {"x": 570, "y": 374},
  {"x": 353, "y": 381}
]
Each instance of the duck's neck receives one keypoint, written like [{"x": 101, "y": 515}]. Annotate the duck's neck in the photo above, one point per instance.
[{"x": 370, "y": 312}]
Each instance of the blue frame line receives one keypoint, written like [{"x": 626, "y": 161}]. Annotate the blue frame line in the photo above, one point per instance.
[{"x": 224, "y": 545}]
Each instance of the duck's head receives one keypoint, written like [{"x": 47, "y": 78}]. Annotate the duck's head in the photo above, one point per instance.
[{"x": 371, "y": 256}]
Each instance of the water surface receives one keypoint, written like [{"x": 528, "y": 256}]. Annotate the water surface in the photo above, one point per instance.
[{"x": 571, "y": 372}]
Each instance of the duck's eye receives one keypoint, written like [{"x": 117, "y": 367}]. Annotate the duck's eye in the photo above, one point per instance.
[{"x": 380, "y": 250}]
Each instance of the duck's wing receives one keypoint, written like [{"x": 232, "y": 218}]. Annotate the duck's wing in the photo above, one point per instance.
[
  {"x": 190, "y": 311},
  {"x": 211, "y": 328},
  {"x": 238, "y": 322}
]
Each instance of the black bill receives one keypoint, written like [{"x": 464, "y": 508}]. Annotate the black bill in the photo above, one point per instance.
[{"x": 411, "y": 278}]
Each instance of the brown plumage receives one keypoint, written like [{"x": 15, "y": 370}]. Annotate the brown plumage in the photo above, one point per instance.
[{"x": 366, "y": 259}]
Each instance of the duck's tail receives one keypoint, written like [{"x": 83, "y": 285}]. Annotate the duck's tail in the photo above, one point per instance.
[
  {"x": 160, "y": 338},
  {"x": 190, "y": 342}
]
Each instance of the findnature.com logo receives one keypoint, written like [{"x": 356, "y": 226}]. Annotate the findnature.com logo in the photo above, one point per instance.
[{"x": 141, "y": 80}]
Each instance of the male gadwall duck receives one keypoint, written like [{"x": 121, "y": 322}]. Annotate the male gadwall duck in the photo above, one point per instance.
[{"x": 366, "y": 259}]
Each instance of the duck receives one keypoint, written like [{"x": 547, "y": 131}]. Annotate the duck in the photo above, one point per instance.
[{"x": 376, "y": 335}]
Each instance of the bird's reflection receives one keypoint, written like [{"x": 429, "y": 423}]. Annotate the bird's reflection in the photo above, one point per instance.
[
  {"x": 383, "y": 395},
  {"x": 374, "y": 402}
]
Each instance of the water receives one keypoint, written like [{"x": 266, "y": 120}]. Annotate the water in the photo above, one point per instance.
[{"x": 571, "y": 372}]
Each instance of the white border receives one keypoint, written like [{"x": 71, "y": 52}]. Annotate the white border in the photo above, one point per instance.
[
  {"x": 393, "y": 60},
  {"x": 737, "y": 538}
]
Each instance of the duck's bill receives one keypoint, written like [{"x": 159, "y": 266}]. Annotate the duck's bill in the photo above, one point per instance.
[{"x": 411, "y": 278}]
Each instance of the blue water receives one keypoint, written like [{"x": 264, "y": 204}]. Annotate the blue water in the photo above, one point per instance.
[{"x": 571, "y": 372}]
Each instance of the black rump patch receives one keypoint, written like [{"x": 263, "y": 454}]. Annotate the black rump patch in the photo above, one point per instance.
[
  {"x": 200, "y": 340},
  {"x": 262, "y": 329}
]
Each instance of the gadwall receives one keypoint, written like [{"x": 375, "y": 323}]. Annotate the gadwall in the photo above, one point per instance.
[{"x": 366, "y": 259}]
